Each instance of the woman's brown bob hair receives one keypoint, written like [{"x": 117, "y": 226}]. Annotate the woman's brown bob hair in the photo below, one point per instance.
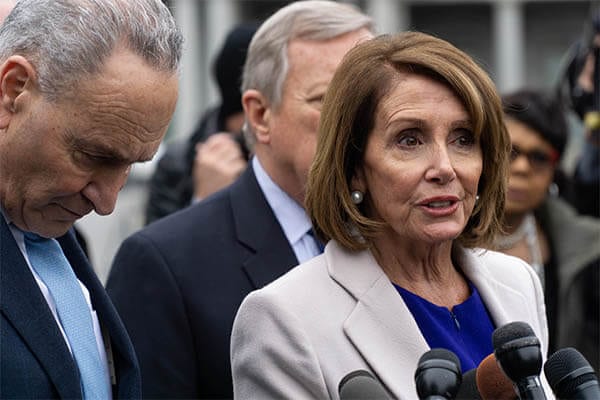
[{"x": 367, "y": 73}]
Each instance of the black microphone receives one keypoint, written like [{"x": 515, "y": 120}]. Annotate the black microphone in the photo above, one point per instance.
[
  {"x": 438, "y": 375},
  {"x": 571, "y": 376},
  {"x": 361, "y": 385},
  {"x": 468, "y": 388},
  {"x": 517, "y": 350}
]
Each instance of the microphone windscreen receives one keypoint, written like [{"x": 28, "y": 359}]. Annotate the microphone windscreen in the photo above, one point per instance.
[
  {"x": 571, "y": 376},
  {"x": 361, "y": 385},
  {"x": 438, "y": 374},
  {"x": 439, "y": 354},
  {"x": 492, "y": 383},
  {"x": 509, "y": 332},
  {"x": 518, "y": 351},
  {"x": 468, "y": 387}
]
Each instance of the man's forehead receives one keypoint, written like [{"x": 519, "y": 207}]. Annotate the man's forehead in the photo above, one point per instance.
[{"x": 120, "y": 149}]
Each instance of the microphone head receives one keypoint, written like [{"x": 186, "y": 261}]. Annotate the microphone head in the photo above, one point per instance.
[
  {"x": 361, "y": 384},
  {"x": 438, "y": 374},
  {"x": 468, "y": 387},
  {"x": 567, "y": 372},
  {"x": 517, "y": 349},
  {"x": 492, "y": 383}
]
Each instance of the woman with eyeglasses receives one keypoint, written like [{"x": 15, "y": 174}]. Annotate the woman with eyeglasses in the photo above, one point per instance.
[{"x": 544, "y": 230}]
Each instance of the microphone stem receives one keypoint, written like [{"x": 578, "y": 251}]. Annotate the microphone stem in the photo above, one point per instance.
[{"x": 530, "y": 388}]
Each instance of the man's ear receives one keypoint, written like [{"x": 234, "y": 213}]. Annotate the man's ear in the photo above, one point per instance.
[
  {"x": 16, "y": 76},
  {"x": 258, "y": 114}
]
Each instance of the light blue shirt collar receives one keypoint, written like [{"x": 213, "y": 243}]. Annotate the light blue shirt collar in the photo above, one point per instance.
[
  {"x": 289, "y": 213},
  {"x": 291, "y": 216}
]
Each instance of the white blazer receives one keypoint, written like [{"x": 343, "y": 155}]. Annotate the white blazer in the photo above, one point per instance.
[{"x": 300, "y": 335}]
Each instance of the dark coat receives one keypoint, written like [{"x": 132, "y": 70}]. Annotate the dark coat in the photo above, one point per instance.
[
  {"x": 35, "y": 361},
  {"x": 179, "y": 282}
]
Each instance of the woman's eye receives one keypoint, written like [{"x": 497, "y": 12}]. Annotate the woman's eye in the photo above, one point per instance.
[
  {"x": 465, "y": 138},
  {"x": 408, "y": 141},
  {"x": 316, "y": 101}
]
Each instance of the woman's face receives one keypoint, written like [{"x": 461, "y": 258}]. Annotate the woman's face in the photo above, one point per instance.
[
  {"x": 422, "y": 162},
  {"x": 531, "y": 168}
]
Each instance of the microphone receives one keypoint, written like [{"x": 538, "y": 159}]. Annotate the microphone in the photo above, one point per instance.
[
  {"x": 468, "y": 388},
  {"x": 492, "y": 382},
  {"x": 438, "y": 375},
  {"x": 571, "y": 376},
  {"x": 486, "y": 382},
  {"x": 361, "y": 385},
  {"x": 517, "y": 350}
]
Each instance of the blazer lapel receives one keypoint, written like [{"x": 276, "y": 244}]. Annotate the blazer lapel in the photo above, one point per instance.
[
  {"x": 502, "y": 302},
  {"x": 380, "y": 325},
  {"x": 23, "y": 304},
  {"x": 269, "y": 252}
]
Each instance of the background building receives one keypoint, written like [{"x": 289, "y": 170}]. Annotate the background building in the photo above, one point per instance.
[{"x": 519, "y": 42}]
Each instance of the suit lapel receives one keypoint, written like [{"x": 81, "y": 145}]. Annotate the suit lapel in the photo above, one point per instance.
[
  {"x": 502, "y": 302},
  {"x": 269, "y": 252},
  {"x": 380, "y": 325},
  {"x": 23, "y": 304}
]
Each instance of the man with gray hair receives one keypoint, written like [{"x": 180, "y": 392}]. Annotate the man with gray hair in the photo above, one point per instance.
[
  {"x": 87, "y": 88},
  {"x": 179, "y": 282}
]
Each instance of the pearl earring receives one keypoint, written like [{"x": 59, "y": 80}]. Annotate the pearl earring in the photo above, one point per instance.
[
  {"x": 476, "y": 198},
  {"x": 356, "y": 196}
]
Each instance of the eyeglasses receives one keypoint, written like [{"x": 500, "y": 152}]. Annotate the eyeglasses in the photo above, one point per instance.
[{"x": 538, "y": 159}]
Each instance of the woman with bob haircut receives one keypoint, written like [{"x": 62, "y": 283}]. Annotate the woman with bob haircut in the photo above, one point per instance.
[{"x": 407, "y": 187}]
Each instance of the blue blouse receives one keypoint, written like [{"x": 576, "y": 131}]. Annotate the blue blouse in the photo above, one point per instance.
[{"x": 466, "y": 330}]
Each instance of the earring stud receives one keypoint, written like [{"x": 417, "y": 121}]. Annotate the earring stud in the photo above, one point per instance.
[{"x": 356, "y": 196}]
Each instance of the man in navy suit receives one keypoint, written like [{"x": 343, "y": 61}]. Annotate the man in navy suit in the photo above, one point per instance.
[
  {"x": 87, "y": 88},
  {"x": 179, "y": 282}
]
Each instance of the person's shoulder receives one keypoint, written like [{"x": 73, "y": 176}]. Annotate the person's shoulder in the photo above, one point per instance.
[
  {"x": 562, "y": 213},
  {"x": 309, "y": 271},
  {"x": 292, "y": 287},
  {"x": 496, "y": 259},
  {"x": 194, "y": 220},
  {"x": 502, "y": 267}
]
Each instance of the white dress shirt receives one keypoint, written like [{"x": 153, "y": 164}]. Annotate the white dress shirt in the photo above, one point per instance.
[{"x": 291, "y": 215}]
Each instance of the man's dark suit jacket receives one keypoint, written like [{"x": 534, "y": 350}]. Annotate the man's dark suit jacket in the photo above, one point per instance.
[
  {"x": 35, "y": 362},
  {"x": 178, "y": 283}
]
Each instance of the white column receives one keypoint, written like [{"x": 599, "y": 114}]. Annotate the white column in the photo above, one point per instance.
[
  {"x": 390, "y": 16},
  {"x": 204, "y": 25},
  {"x": 220, "y": 17},
  {"x": 509, "y": 44},
  {"x": 189, "y": 104}
]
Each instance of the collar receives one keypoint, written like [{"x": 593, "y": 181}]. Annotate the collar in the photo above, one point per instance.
[
  {"x": 16, "y": 232},
  {"x": 291, "y": 216}
]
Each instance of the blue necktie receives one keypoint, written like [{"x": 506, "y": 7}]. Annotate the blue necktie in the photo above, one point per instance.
[{"x": 50, "y": 263}]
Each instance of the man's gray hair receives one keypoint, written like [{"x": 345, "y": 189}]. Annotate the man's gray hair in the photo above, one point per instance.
[
  {"x": 66, "y": 40},
  {"x": 267, "y": 63}
]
